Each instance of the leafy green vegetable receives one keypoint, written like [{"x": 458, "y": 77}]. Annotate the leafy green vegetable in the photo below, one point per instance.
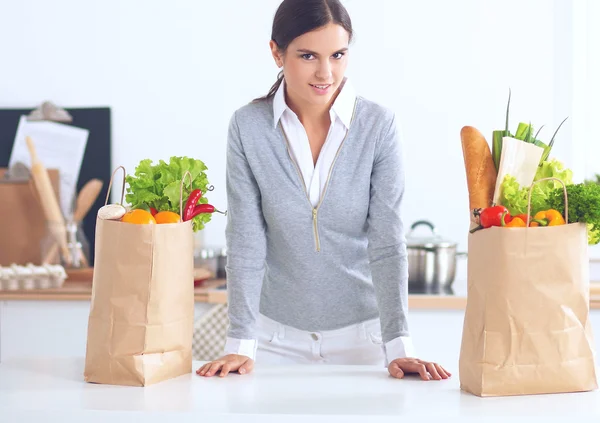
[
  {"x": 547, "y": 153},
  {"x": 498, "y": 135},
  {"x": 514, "y": 197},
  {"x": 584, "y": 206},
  {"x": 524, "y": 133},
  {"x": 159, "y": 185},
  {"x": 593, "y": 234},
  {"x": 497, "y": 139},
  {"x": 594, "y": 181},
  {"x": 553, "y": 169}
]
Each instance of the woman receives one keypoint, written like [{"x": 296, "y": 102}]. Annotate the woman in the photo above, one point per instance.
[{"x": 317, "y": 268}]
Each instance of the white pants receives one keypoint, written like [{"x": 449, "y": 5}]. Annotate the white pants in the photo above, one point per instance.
[{"x": 281, "y": 344}]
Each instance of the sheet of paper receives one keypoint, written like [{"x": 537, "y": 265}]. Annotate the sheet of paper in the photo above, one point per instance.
[
  {"x": 519, "y": 159},
  {"x": 58, "y": 146}
]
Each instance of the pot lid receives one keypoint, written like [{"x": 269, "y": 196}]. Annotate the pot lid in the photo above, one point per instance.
[{"x": 429, "y": 240}]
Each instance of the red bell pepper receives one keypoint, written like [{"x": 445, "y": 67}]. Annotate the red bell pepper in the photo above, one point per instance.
[{"x": 493, "y": 216}]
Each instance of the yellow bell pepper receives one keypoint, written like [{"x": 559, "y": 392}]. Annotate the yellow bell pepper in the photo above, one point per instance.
[
  {"x": 549, "y": 217},
  {"x": 516, "y": 222},
  {"x": 509, "y": 221}
]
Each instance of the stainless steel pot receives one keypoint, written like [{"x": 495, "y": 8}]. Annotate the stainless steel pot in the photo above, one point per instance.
[{"x": 431, "y": 258}]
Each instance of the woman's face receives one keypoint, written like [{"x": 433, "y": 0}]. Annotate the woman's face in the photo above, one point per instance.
[{"x": 314, "y": 64}]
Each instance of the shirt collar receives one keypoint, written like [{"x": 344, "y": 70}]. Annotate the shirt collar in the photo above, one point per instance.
[{"x": 343, "y": 106}]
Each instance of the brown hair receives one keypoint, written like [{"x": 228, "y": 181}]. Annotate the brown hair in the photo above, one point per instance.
[{"x": 297, "y": 17}]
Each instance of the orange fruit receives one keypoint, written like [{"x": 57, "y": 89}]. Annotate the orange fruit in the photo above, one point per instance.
[
  {"x": 138, "y": 216},
  {"x": 167, "y": 217}
]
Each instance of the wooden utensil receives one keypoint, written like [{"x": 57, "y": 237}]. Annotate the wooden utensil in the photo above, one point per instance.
[
  {"x": 85, "y": 200},
  {"x": 48, "y": 200}
]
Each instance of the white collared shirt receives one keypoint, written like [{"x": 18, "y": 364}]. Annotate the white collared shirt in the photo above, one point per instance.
[{"x": 315, "y": 177}]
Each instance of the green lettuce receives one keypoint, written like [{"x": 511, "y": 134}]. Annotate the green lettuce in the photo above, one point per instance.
[
  {"x": 158, "y": 186},
  {"x": 584, "y": 198},
  {"x": 584, "y": 206},
  {"x": 593, "y": 233},
  {"x": 514, "y": 197}
]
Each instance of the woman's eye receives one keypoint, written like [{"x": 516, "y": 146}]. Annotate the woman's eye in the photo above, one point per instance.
[
  {"x": 338, "y": 55},
  {"x": 307, "y": 56}
]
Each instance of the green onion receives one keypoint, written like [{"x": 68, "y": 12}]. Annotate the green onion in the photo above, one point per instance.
[
  {"x": 546, "y": 154},
  {"x": 538, "y": 132},
  {"x": 497, "y": 137},
  {"x": 522, "y": 131}
]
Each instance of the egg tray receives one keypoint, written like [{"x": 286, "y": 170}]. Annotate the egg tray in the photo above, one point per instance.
[{"x": 17, "y": 277}]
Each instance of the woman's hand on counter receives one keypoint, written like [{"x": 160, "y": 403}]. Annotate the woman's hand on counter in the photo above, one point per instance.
[
  {"x": 226, "y": 364},
  {"x": 427, "y": 370}
]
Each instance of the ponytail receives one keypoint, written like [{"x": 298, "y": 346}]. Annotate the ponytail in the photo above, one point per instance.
[{"x": 273, "y": 89}]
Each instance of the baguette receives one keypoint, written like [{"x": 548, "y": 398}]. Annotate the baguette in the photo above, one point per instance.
[{"x": 479, "y": 165}]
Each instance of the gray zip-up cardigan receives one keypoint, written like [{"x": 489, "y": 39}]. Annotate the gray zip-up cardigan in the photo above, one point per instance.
[{"x": 322, "y": 268}]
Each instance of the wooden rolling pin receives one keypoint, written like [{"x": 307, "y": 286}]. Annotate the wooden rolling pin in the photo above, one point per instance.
[
  {"x": 85, "y": 200},
  {"x": 50, "y": 206}
]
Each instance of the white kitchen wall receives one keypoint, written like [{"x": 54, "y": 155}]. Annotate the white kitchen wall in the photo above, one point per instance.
[{"x": 173, "y": 73}]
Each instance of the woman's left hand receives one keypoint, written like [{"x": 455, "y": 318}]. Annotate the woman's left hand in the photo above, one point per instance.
[{"x": 427, "y": 370}]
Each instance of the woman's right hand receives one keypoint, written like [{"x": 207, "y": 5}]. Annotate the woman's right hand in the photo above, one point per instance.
[{"x": 226, "y": 364}]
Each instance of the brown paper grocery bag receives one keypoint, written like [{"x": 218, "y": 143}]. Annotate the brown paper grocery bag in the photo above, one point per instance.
[
  {"x": 140, "y": 325},
  {"x": 526, "y": 327}
]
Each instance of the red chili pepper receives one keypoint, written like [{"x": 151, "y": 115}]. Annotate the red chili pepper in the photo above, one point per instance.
[
  {"x": 492, "y": 216},
  {"x": 191, "y": 203},
  {"x": 204, "y": 208},
  {"x": 153, "y": 211}
]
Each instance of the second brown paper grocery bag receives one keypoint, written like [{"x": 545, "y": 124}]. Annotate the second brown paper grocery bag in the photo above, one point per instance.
[
  {"x": 527, "y": 328},
  {"x": 142, "y": 310}
]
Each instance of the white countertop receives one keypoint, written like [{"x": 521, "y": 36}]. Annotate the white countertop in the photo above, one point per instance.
[{"x": 53, "y": 390}]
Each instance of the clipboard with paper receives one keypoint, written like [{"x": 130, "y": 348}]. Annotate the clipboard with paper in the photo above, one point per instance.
[{"x": 59, "y": 146}]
